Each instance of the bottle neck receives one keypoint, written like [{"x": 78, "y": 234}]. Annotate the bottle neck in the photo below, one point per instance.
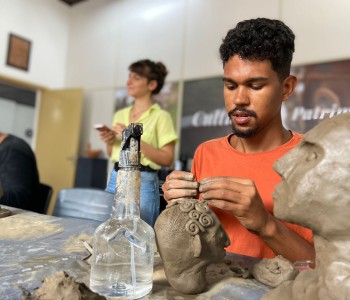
[{"x": 127, "y": 195}]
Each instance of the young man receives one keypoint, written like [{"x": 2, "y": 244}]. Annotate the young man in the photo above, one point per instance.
[{"x": 234, "y": 173}]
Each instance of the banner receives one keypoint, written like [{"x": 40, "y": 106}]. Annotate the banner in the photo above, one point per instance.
[{"x": 323, "y": 91}]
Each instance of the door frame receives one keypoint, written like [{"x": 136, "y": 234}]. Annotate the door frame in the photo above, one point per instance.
[{"x": 39, "y": 90}]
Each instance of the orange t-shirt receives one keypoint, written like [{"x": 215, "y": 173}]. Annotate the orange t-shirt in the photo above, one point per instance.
[{"x": 218, "y": 158}]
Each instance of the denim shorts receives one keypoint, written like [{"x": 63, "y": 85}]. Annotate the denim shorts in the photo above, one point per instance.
[{"x": 149, "y": 194}]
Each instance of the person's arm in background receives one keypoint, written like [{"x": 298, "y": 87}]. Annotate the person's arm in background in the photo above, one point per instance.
[
  {"x": 111, "y": 136},
  {"x": 163, "y": 156},
  {"x": 108, "y": 136},
  {"x": 166, "y": 140}
]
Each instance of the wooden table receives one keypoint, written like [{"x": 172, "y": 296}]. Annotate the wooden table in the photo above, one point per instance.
[{"x": 33, "y": 246}]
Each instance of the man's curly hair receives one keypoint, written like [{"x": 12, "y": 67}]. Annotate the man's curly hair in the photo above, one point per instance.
[{"x": 261, "y": 39}]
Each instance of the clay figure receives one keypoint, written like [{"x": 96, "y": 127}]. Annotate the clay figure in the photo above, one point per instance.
[
  {"x": 273, "y": 272},
  {"x": 189, "y": 237},
  {"x": 315, "y": 193}
]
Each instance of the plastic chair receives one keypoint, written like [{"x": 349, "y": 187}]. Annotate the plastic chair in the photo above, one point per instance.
[
  {"x": 44, "y": 197},
  {"x": 84, "y": 203}
]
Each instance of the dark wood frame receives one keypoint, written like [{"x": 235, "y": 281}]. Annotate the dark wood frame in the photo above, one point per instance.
[{"x": 18, "y": 53}]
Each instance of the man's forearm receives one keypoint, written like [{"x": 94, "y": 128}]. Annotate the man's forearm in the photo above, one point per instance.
[{"x": 286, "y": 242}]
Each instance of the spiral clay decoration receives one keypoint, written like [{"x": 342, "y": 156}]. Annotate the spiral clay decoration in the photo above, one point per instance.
[
  {"x": 199, "y": 216},
  {"x": 194, "y": 214},
  {"x": 202, "y": 207},
  {"x": 193, "y": 227},
  {"x": 206, "y": 220},
  {"x": 187, "y": 206}
]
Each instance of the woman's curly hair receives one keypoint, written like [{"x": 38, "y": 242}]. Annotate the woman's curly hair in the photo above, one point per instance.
[
  {"x": 152, "y": 71},
  {"x": 261, "y": 39}
]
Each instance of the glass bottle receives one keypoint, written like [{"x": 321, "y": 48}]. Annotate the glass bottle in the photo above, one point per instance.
[{"x": 123, "y": 247}]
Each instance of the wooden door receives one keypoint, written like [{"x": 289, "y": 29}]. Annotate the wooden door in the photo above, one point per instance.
[{"x": 57, "y": 138}]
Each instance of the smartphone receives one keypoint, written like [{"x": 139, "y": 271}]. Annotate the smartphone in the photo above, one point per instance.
[{"x": 101, "y": 127}]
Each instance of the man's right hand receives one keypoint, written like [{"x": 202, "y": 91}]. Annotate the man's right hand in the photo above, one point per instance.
[{"x": 180, "y": 185}]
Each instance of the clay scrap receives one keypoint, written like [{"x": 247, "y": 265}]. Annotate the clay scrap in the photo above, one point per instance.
[
  {"x": 61, "y": 286},
  {"x": 275, "y": 271},
  {"x": 4, "y": 212},
  {"x": 239, "y": 270}
]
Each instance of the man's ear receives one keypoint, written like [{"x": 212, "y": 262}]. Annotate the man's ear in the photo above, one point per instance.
[
  {"x": 196, "y": 245},
  {"x": 289, "y": 85}
]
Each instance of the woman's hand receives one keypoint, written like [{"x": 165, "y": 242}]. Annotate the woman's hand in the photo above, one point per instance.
[
  {"x": 107, "y": 136},
  {"x": 118, "y": 128}
]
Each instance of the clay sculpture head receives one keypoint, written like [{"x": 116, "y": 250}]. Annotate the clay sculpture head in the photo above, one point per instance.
[
  {"x": 315, "y": 189},
  {"x": 315, "y": 193},
  {"x": 189, "y": 237}
]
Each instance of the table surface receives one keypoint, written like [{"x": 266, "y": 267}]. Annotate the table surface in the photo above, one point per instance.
[{"x": 33, "y": 246}]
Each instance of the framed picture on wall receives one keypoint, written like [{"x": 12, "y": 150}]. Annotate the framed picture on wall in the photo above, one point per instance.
[{"x": 18, "y": 53}]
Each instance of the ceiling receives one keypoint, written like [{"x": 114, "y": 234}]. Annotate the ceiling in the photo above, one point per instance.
[{"x": 72, "y": 2}]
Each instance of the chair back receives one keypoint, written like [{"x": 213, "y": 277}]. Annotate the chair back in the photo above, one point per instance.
[
  {"x": 84, "y": 203},
  {"x": 44, "y": 197}
]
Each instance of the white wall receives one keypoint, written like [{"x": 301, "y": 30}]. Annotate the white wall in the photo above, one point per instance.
[
  {"x": 108, "y": 35},
  {"x": 322, "y": 29},
  {"x": 207, "y": 23},
  {"x": 46, "y": 23},
  {"x": 91, "y": 44}
]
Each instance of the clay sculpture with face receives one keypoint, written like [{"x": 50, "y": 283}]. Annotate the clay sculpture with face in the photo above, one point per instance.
[
  {"x": 315, "y": 193},
  {"x": 189, "y": 237}
]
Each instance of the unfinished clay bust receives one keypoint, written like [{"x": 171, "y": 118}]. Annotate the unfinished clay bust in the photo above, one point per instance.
[
  {"x": 315, "y": 193},
  {"x": 189, "y": 237}
]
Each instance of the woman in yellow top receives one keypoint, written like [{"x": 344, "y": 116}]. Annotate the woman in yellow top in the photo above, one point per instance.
[{"x": 146, "y": 78}]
